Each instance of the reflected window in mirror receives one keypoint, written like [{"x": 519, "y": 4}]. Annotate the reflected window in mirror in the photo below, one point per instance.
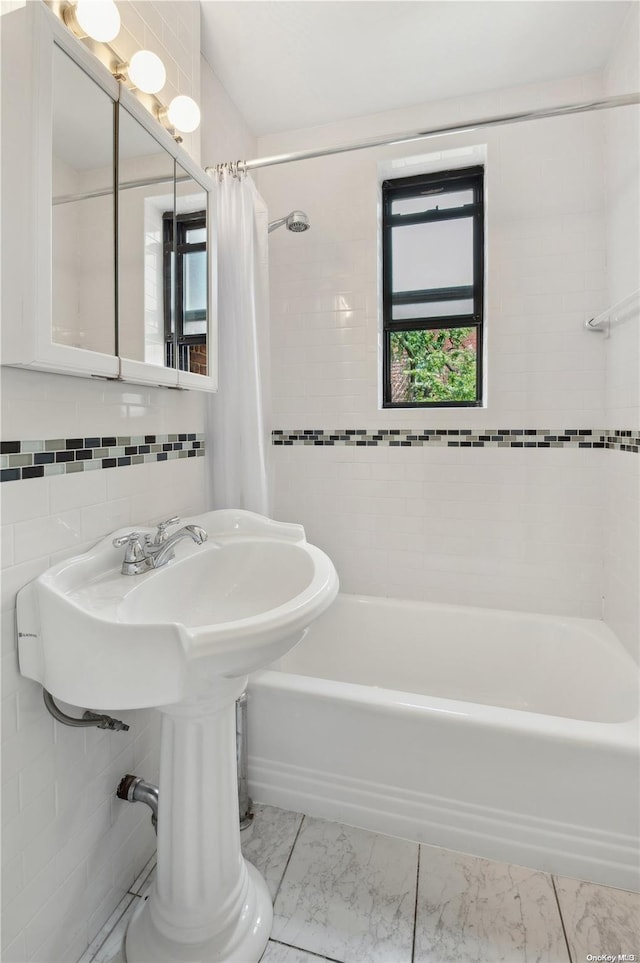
[
  {"x": 186, "y": 283},
  {"x": 146, "y": 191},
  {"x": 185, "y": 271}
]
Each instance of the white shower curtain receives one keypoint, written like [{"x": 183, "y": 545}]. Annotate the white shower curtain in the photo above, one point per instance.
[{"x": 238, "y": 424}]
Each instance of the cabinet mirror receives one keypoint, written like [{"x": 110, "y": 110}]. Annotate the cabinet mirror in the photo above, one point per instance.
[
  {"x": 146, "y": 197},
  {"x": 163, "y": 277},
  {"x": 83, "y": 285},
  {"x": 110, "y": 251}
]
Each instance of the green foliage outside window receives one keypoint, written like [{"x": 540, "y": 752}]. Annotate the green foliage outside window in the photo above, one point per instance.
[{"x": 434, "y": 365}]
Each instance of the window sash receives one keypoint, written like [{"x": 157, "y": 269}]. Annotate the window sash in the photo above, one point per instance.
[{"x": 444, "y": 182}]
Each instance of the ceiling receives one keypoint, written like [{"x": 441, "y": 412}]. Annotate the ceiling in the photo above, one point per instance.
[{"x": 301, "y": 63}]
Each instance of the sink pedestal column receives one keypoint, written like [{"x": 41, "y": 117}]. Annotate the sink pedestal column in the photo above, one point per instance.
[{"x": 207, "y": 904}]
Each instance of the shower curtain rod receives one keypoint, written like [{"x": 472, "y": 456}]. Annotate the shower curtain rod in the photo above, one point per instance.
[{"x": 621, "y": 100}]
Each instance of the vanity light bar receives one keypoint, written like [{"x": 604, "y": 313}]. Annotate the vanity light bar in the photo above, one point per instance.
[
  {"x": 145, "y": 71},
  {"x": 99, "y": 21}
]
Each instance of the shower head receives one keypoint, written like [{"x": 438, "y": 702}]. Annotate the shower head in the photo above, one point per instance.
[{"x": 297, "y": 221}]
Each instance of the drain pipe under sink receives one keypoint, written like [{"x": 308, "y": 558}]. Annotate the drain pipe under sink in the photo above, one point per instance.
[{"x": 135, "y": 789}]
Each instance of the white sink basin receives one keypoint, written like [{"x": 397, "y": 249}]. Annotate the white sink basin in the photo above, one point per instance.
[{"x": 94, "y": 637}]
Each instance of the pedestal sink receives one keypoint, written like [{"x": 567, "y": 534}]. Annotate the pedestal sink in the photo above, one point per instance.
[{"x": 182, "y": 638}]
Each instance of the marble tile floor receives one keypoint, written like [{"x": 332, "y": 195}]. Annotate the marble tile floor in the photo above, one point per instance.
[{"x": 345, "y": 895}]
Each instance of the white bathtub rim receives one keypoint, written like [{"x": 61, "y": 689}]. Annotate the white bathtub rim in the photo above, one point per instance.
[
  {"x": 619, "y": 735},
  {"x": 588, "y": 625}
]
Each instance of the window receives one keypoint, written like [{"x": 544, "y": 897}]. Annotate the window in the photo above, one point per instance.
[
  {"x": 432, "y": 291},
  {"x": 185, "y": 320}
]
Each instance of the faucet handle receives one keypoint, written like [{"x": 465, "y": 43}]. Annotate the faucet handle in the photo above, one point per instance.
[
  {"x": 129, "y": 538},
  {"x": 161, "y": 535},
  {"x": 133, "y": 540}
]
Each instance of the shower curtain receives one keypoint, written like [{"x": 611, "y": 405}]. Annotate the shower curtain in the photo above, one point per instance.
[{"x": 238, "y": 423}]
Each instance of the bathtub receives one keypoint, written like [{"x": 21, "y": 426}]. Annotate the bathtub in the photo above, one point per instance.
[{"x": 501, "y": 734}]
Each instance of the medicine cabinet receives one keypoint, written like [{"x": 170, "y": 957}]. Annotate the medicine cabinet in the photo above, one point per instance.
[{"x": 107, "y": 224}]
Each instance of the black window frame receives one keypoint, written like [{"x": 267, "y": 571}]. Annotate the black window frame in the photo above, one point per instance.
[
  {"x": 469, "y": 178},
  {"x": 177, "y": 343}
]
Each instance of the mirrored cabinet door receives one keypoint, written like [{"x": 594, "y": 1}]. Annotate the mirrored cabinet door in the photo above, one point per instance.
[
  {"x": 189, "y": 333},
  {"x": 146, "y": 202},
  {"x": 83, "y": 283},
  {"x": 58, "y": 199}
]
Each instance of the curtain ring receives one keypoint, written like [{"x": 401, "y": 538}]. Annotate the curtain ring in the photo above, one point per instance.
[{"x": 236, "y": 169}]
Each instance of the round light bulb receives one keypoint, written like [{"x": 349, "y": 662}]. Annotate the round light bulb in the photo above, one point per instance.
[
  {"x": 99, "y": 19},
  {"x": 184, "y": 114},
  {"x": 146, "y": 72}
]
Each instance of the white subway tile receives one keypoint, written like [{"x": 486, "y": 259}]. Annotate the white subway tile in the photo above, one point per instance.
[
  {"x": 61, "y": 915},
  {"x": 68, "y": 492},
  {"x": 101, "y": 519},
  {"x": 6, "y": 545},
  {"x": 24, "y": 500},
  {"x": 10, "y": 799},
  {"x": 34, "y": 817},
  {"x": 11, "y": 678},
  {"x": 45, "y": 536},
  {"x": 16, "y": 951},
  {"x": 9, "y": 725}
]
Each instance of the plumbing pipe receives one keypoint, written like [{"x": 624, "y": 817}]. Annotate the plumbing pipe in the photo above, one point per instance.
[
  {"x": 245, "y": 804},
  {"x": 134, "y": 789},
  {"x": 88, "y": 718}
]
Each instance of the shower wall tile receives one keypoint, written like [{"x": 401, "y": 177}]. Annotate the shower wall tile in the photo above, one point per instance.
[
  {"x": 546, "y": 269},
  {"x": 621, "y": 491},
  {"x": 506, "y": 528}
]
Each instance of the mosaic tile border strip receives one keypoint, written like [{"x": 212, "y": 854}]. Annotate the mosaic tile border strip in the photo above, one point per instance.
[
  {"x": 59, "y": 456},
  {"x": 622, "y": 440},
  {"x": 464, "y": 437}
]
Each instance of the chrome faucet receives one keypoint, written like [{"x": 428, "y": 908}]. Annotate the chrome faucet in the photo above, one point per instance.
[{"x": 144, "y": 552}]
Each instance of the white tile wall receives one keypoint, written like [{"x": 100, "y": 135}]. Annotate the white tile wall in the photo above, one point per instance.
[
  {"x": 70, "y": 848},
  {"x": 488, "y": 527},
  {"x": 501, "y": 528},
  {"x": 621, "y": 493},
  {"x": 622, "y": 348},
  {"x": 546, "y": 268}
]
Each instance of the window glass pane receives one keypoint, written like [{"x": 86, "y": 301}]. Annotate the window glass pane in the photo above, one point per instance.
[
  {"x": 431, "y": 309},
  {"x": 171, "y": 281},
  {"x": 438, "y": 200},
  {"x": 196, "y": 235},
  {"x": 195, "y": 292},
  {"x": 433, "y": 255},
  {"x": 433, "y": 366}
]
